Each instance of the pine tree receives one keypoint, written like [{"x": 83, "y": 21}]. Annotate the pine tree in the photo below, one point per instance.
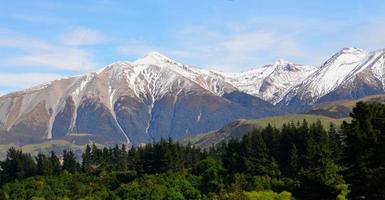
[
  {"x": 294, "y": 167},
  {"x": 231, "y": 155},
  {"x": 43, "y": 165},
  {"x": 335, "y": 142},
  {"x": 54, "y": 163},
  {"x": 69, "y": 161},
  {"x": 364, "y": 151},
  {"x": 98, "y": 155},
  {"x": 17, "y": 165},
  {"x": 272, "y": 136},
  {"x": 259, "y": 155},
  {"x": 320, "y": 175},
  {"x": 123, "y": 161},
  {"x": 87, "y": 162}
]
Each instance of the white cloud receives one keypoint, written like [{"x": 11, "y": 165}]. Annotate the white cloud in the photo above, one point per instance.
[
  {"x": 63, "y": 58},
  {"x": 137, "y": 48},
  {"x": 236, "y": 50},
  {"x": 39, "y": 19},
  {"x": 25, "y": 80},
  {"x": 239, "y": 46},
  {"x": 83, "y": 36},
  {"x": 244, "y": 50},
  {"x": 250, "y": 42},
  {"x": 39, "y": 58},
  {"x": 369, "y": 36},
  {"x": 38, "y": 53}
]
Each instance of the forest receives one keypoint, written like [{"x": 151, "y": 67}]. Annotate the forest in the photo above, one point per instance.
[{"x": 296, "y": 161}]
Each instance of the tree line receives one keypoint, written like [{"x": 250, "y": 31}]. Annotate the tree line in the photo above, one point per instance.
[{"x": 298, "y": 160}]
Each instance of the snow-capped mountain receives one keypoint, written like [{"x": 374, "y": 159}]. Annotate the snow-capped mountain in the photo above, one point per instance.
[
  {"x": 270, "y": 82},
  {"x": 126, "y": 102},
  {"x": 349, "y": 74},
  {"x": 157, "y": 97}
]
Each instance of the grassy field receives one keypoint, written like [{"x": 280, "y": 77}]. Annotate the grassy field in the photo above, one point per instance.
[
  {"x": 214, "y": 137},
  {"x": 46, "y": 147},
  {"x": 280, "y": 120},
  {"x": 342, "y": 108}
]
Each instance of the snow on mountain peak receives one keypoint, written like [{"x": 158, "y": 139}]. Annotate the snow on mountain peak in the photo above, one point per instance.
[
  {"x": 155, "y": 58},
  {"x": 341, "y": 68},
  {"x": 162, "y": 72},
  {"x": 283, "y": 65},
  {"x": 346, "y": 55},
  {"x": 281, "y": 62},
  {"x": 352, "y": 50},
  {"x": 270, "y": 82}
]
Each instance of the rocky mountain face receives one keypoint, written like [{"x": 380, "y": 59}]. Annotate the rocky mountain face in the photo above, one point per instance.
[
  {"x": 350, "y": 74},
  {"x": 155, "y": 96},
  {"x": 126, "y": 102},
  {"x": 270, "y": 82}
]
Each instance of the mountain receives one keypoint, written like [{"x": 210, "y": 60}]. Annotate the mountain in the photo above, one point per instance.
[
  {"x": 157, "y": 97},
  {"x": 270, "y": 82},
  {"x": 350, "y": 74},
  {"x": 126, "y": 102}
]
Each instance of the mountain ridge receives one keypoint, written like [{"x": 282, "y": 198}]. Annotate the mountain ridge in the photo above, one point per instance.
[
  {"x": 157, "y": 97},
  {"x": 352, "y": 71},
  {"x": 130, "y": 102}
]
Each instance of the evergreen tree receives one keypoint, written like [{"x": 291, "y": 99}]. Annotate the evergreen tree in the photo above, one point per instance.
[
  {"x": 259, "y": 156},
  {"x": 293, "y": 166},
  {"x": 87, "y": 162},
  {"x": 123, "y": 161},
  {"x": 272, "y": 138},
  {"x": 17, "y": 165},
  {"x": 320, "y": 176},
  {"x": 43, "y": 165},
  {"x": 98, "y": 155},
  {"x": 364, "y": 151},
  {"x": 69, "y": 161},
  {"x": 54, "y": 163},
  {"x": 231, "y": 155},
  {"x": 335, "y": 141}
]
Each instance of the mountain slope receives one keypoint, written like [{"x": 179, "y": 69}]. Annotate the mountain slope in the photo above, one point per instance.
[
  {"x": 270, "y": 82},
  {"x": 155, "y": 96},
  {"x": 239, "y": 128},
  {"x": 126, "y": 102},
  {"x": 342, "y": 108},
  {"x": 351, "y": 73}
]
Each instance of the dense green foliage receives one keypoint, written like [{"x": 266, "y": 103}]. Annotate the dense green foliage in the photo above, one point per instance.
[{"x": 299, "y": 160}]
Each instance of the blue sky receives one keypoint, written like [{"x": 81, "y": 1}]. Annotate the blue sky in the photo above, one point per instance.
[{"x": 44, "y": 40}]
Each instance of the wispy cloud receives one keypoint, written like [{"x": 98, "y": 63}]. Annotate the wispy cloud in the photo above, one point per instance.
[
  {"x": 40, "y": 60},
  {"x": 83, "y": 36},
  {"x": 244, "y": 48},
  {"x": 368, "y": 36},
  {"x": 39, "y": 19},
  {"x": 137, "y": 48},
  {"x": 238, "y": 48},
  {"x": 25, "y": 80},
  {"x": 39, "y": 53},
  {"x": 241, "y": 45},
  {"x": 57, "y": 57}
]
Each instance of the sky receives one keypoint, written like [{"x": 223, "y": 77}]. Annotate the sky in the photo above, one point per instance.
[{"x": 45, "y": 40}]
